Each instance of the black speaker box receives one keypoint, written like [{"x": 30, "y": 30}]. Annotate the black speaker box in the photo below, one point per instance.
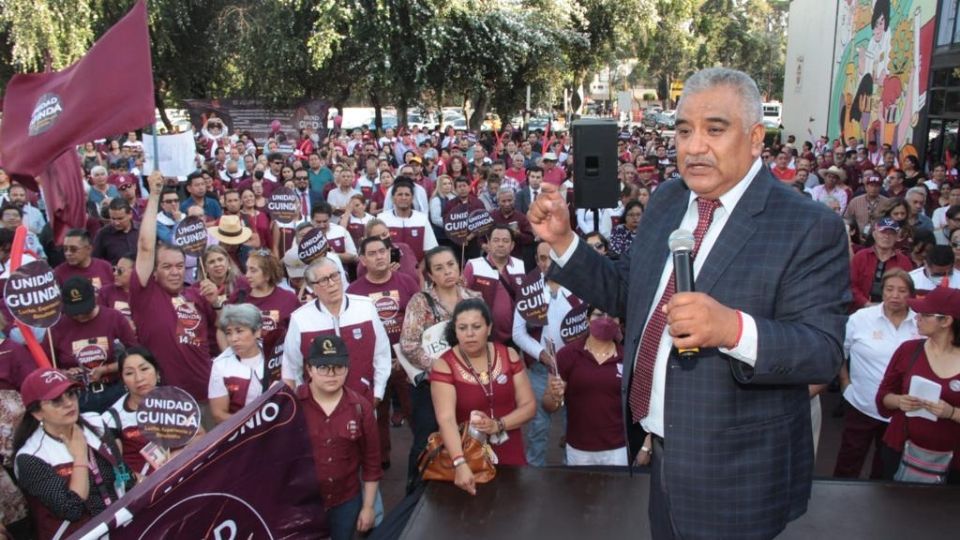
[{"x": 595, "y": 182}]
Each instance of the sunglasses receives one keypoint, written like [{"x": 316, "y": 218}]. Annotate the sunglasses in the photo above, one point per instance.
[
  {"x": 126, "y": 186},
  {"x": 955, "y": 244},
  {"x": 171, "y": 201}
]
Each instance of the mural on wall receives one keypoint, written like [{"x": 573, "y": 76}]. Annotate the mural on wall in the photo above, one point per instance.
[{"x": 881, "y": 70}]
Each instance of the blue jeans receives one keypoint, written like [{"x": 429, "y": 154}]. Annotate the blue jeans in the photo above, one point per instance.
[
  {"x": 536, "y": 435},
  {"x": 342, "y": 518}
]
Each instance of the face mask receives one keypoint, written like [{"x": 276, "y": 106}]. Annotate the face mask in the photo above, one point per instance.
[{"x": 605, "y": 329}]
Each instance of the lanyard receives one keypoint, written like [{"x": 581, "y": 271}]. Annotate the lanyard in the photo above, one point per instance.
[{"x": 97, "y": 477}]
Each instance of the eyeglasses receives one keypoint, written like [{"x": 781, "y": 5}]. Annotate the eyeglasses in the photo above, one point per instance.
[
  {"x": 300, "y": 178},
  {"x": 170, "y": 201},
  {"x": 65, "y": 398},
  {"x": 955, "y": 244},
  {"x": 929, "y": 315},
  {"x": 330, "y": 371},
  {"x": 328, "y": 279},
  {"x": 126, "y": 186}
]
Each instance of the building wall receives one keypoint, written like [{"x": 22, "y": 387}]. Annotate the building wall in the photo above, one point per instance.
[
  {"x": 881, "y": 63},
  {"x": 806, "y": 83}
]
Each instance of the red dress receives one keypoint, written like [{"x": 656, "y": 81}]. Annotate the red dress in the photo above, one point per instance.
[{"x": 471, "y": 396}]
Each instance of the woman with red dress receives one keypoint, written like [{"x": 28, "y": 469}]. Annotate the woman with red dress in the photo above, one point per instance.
[
  {"x": 937, "y": 359},
  {"x": 483, "y": 383}
]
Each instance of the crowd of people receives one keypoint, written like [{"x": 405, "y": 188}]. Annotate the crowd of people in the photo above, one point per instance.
[{"x": 398, "y": 323}]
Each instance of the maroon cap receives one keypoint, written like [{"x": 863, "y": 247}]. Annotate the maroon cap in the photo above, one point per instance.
[
  {"x": 44, "y": 383},
  {"x": 940, "y": 301}
]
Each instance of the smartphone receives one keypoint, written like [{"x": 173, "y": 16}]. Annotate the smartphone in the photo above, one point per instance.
[{"x": 395, "y": 255}]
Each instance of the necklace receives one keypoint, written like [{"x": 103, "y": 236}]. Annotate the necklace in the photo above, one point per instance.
[{"x": 482, "y": 378}]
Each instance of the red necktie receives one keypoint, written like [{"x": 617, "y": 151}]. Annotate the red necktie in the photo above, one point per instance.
[
  {"x": 303, "y": 204},
  {"x": 642, "y": 382}
]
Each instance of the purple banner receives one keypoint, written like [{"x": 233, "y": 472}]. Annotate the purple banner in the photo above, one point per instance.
[{"x": 251, "y": 477}]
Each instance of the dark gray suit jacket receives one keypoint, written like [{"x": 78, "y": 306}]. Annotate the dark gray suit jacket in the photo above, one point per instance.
[{"x": 738, "y": 458}]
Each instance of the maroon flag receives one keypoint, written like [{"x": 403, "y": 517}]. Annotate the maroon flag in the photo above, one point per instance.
[
  {"x": 108, "y": 91},
  {"x": 253, "y": 476},
  {"x": 62, "y": 184}
]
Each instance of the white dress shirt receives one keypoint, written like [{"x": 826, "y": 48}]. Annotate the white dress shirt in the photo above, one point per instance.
[
  {"x": 922, "y": 281},
  {"x": 746, "y": 349},
  {"x": 870, "y": 343}
]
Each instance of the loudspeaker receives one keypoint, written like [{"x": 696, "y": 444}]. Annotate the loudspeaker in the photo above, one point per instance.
[{"x": 595, "y": 182}]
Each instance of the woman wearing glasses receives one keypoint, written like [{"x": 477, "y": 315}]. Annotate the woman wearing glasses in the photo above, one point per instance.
[
  {"x": 936, "y": 359},
  {"x": 624, "y": 233},
  {"x": 69, "y": 468}
]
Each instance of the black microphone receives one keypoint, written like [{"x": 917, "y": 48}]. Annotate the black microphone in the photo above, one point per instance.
[{"x": 681, "y": 244}]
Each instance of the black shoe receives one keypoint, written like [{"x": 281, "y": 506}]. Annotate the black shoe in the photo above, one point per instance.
[{"x": 385, "y": 465}]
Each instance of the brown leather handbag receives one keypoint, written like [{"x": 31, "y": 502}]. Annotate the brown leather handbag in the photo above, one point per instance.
[{"x": 435, "y": 463}]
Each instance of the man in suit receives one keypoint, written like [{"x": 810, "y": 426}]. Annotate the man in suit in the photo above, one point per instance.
[
  {"x": 529, "y": 192},
  {"x": 730, "y": 426}
]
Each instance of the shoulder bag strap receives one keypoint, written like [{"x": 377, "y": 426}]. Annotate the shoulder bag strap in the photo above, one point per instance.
[{"x": 913, "y": 362}]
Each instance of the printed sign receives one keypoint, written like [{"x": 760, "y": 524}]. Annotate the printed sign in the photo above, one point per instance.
[
  {"x": 456, "y": 223},
  {"x": 33, "y": 295},
  {"x": 313, "y": 245},
  {"x": 168, "y": 417},
  {"x": 283, "y": 205},
  {"x": 480, "y": 222},
  {"x": 576, "y": 324},
  {"x": 245, "y": 479},
  {"x": 531, "y": 302},
  {"x": 191, "y": 235}
]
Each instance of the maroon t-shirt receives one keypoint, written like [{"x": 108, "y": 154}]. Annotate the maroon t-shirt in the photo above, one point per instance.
[
  {"x": 90, "y": 344},
  {"x": 15, "y": 364},
  {"x": 177, "y": 330},
  {"x": 100, "y": 273},
  {"x": 594, "y": 413},
  {"x": 112, "y": 296},
  {"x": 275, "y": 308},
  {"x": 390, "y": 298}
]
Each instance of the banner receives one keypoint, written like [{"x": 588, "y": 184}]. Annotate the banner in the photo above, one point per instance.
[
  {"x": 177, "y": 154},
  {"x": 108, "y": 91},
  {"x": 251, "y": 477},
  {"x": 255, "y": 118}
]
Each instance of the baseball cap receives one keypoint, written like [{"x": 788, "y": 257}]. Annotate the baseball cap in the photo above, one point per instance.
[
  {"x": 940, "y": 301},
  {"x": 45, "y": 383},
  {"x": 887, "y": 224},
  {"x": 872, "y": 179},
  {"x": 79, "y": 296},
  {"x": 549, "y": 156},
  {"x": 328, "y": 351}
]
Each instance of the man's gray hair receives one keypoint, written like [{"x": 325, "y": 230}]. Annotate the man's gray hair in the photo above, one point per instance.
[
  {"x": 311, "y": 272},
  {"x": 916, "y": 191},
  {"x": 245, "y": 315},
  {"x": 98, "y": 169},
  {"x": 744, "y": 86}
]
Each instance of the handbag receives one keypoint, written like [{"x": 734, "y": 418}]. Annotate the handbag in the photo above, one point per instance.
[
  {"x": 918, "y": 464},
  {"x": 435, "y": 463}
]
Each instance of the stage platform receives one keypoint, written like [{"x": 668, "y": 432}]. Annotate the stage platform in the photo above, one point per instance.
[{"x": 567, "y": 503}]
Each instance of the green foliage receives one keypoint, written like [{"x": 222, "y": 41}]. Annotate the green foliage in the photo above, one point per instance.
[{"x": 406, "y": 52}]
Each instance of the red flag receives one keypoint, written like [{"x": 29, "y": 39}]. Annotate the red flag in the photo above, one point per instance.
[
  {"x": 62, "y": 184},
  {"x": 108, "y": 91}
]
